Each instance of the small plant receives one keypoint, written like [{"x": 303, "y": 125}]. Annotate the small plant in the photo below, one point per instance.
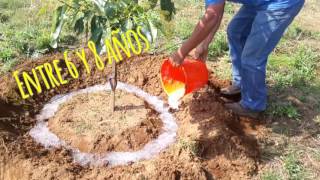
[
  {"x": 189, "y": 145},
  {"x": 229, "y": 8},
  {"x": 43, "y": 41},
  {"x": 6, "y": 54},
  {"x": 293, "y": 32},
  {"x": 271, "y": 175},
  {"x": 185, "y": 29},
  {"x": 294, "y": 167},
  {"x": 283, "y": 110},
  {"x": 8, "y": 65}
]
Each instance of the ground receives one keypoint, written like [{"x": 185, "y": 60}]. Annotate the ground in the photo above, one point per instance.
[
  {"x": 89, "y": 116},
  {"x": 211, "y": 142},
  {"x": 208, "y": 138}
]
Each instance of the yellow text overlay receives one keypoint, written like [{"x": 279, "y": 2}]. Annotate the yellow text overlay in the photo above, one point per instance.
[{"x": 129, "y": 43}]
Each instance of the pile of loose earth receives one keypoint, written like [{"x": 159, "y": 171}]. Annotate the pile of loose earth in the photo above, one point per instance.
[
  {"x": 88, "y": 123},
  {"x": 211, "y": 142}
]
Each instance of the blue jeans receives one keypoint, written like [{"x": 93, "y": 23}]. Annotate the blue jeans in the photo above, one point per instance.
[{"x": 253, "y": 33}]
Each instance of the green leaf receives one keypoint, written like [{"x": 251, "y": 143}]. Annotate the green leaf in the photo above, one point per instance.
[
  {"x": 99, "y": 4},
  {"x": 153, "y": 3},
  {"x": 110, "y": 10},
  {"x": 127, "y": 25},
  {"x": 96, "y": 32},
  {"x": 42, "y": 11},
  {"x": 58, "y": 19},
  {"x": 147, "y": 33},
  {"x": 153, "y": 30},
  {"x": 168, "y": 8},
  {"x": 79, "y": 26}
]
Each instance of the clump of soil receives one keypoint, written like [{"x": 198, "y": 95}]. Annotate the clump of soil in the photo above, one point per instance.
[
  {"x": 211, "y": 142},
  {"x": 88, "y": 123}
]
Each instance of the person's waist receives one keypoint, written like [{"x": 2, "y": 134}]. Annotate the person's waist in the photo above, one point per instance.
[{"x": 268, "y": 4}]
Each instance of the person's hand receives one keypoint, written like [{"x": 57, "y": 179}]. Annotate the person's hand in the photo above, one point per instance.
[
  {"x": 176, "y": 58},
  {"x": 200, "y": 53}
]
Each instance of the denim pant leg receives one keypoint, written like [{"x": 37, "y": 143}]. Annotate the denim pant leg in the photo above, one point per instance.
[
  {"x": 267, "y": 29},
  {"x": 238, "y": 31}
]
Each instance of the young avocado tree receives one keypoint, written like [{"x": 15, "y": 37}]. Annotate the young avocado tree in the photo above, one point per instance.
[{"x": 98, "y": 18}]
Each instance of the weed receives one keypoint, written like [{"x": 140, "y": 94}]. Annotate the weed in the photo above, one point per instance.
[
  {"x": 271, "y": 175},
  {"x": 295, "y": 32},
  {"x": 219, "y": 46},
  {"x": 294, "y": 167},
  {"x": 229, "y": 9},
  {"x": 43, "y": 41},
  {"x": 283, "y": 110},
  {"x": 12, "y": 4},
  {"x": 279, "y": 60},
  {"x": 297, "y": 71},
  {"x": 25, "y": 30},
  {"x": 8, "y": 65},
  {"x": 185, "y": 29},
  {"x": 187, "y": 3},
  {"x": 189, "y": 145},
  {"x": 6, "y": 54}
]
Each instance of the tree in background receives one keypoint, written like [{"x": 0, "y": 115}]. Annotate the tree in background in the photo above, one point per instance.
[{"x": 98, "y": 18}]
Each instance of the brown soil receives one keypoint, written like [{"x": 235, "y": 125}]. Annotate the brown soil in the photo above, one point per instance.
[
  {"x": 88, "y": 123},
  {"x": 211, "y": 142}
]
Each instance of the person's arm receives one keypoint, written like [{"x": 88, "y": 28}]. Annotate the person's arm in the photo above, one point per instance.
[
  {"x": 201, "y": 51},
  {"x": 209, "y": 22}
]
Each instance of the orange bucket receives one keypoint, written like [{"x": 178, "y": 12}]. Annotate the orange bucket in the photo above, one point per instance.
[{"x": 191, "y": 75}]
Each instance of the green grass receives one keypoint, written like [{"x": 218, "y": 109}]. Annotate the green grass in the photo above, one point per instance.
[
  {"x": 25, "y": 30},
  {"x": 13, "y": 4},
  {"x": 283, "y": 110},
  {"x": 185, "y": 29},
  {"x": 219, "y": 46},
  {"x": 229, "y": 9},
  {"x": 6, "y": 54},
  {"x": 293, "y": 70},
  {"x": 271, "y": 175},
  {"x": 187, "y": 3},
  {"x": 294, "y": 167},
  {"x": 295, "y": 32},
  {"x": 189, "y": 145}
]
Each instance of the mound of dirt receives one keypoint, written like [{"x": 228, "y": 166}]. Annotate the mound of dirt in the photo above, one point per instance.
[
  {"x": 211, "y": 142},
  {"x": 88, "y": 123}
]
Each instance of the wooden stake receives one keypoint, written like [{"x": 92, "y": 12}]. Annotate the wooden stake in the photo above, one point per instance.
[
  {"x": 113, "y": 84},
  {"x": 113, "y": 95}
]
